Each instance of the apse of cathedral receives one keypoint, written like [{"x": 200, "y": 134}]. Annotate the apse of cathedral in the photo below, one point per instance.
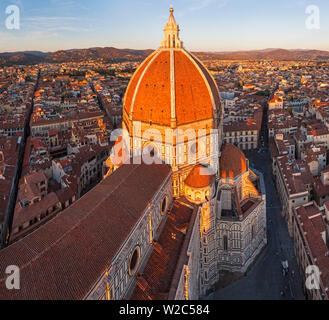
[{"x": 159, "y": 230}]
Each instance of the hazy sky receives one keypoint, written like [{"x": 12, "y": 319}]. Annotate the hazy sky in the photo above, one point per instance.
[{"x": 212, "y": 25}]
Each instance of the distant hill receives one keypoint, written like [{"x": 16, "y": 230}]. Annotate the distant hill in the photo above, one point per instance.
[
  {"x": 109, "y": 53},
  {"x": 117, "y": 55},
  {"x": 25, "y": 57},
  {"x": 268, "y": 54}
]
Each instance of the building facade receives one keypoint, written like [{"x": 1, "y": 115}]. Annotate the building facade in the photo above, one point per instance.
[{"x": 310, "y": 239}]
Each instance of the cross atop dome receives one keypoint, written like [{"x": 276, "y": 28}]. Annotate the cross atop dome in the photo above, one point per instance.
[{"x": 171, "y": 31}]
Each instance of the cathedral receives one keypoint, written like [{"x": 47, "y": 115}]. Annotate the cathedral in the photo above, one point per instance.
[
  {"x": 172, "y": 91},
  {"x": 162, "y": 229}
]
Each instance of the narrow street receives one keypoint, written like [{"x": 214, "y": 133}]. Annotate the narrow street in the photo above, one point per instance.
[{"x": 9, "y": 217}]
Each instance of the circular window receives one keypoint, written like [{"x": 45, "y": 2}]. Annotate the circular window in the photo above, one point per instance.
[
  {"x": 164, "y": 203},
  {"x": 194, "y": 148},
  {"x": 134, "y": 261}
]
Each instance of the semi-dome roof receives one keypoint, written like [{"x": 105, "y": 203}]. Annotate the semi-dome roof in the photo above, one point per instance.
[
  {"x": 199, "y": 177},
  {"x": 171, "y": 86},
  {"x": 232, "y": 161}
]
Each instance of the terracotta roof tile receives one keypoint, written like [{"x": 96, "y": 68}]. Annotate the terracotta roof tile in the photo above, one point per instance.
[
  {"x": 232, "y": 161},
  {"x": 64, "y": 258},
  {"x": 199, "y": 177},
  {"x": 195, "y": 90}
]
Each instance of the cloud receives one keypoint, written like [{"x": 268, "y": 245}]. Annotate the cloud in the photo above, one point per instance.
[
  {"x": 201, "y": 4},
  {"x": 36, "y": 35},
  {"x": 69, "y": 4},
  {"x": 198, "y": 5},
  {"x": 41, "y": 19},
  {"x": 55, "y": 24},
  {"x": 145, "y": 3},
  {"x": 71, "y": 29},
  {"x": 26, "y": 41}
]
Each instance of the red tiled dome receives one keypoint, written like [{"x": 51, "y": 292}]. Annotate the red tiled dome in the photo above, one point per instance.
[
  {"x": 199, "y": 177},
  {"x": 171, "y": 82},
  {"x": 232, "y": 161}
]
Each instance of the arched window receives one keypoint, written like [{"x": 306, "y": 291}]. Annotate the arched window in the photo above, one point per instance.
[
  {"x": 225, "y": 243},
  {"x": 253, "y": 234}
]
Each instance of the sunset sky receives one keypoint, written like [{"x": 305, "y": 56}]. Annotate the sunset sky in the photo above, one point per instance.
[{"x": 206, "y": 25}]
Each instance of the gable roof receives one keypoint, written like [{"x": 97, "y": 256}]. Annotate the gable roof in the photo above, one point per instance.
[{"x": 63, "y": 259}]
